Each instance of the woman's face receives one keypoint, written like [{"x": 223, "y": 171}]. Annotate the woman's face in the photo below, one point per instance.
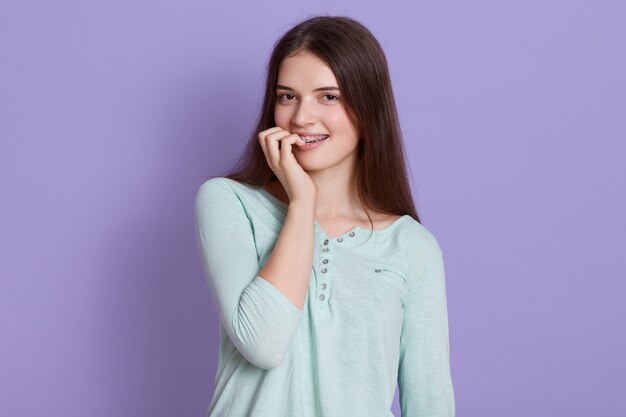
[{"x": 308, "y": 102}]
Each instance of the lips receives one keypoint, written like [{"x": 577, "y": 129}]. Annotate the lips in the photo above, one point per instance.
[{"x": 310, "y": 145}]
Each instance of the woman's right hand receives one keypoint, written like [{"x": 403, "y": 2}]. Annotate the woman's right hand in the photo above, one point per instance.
[{"x": 276, "y": 144}]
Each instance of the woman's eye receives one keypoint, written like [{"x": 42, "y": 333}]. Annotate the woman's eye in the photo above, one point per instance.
[
  {"x": 285, "y": 96},
  {"x": 291, "y": 97}
]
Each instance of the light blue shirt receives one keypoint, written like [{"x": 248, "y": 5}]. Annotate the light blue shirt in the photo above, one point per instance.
[{"x": 375, "y": 315}]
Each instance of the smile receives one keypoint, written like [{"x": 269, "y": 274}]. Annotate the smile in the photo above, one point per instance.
[
  {"x": 312, "y": 144},
  {"x": 314, "y": 138}
]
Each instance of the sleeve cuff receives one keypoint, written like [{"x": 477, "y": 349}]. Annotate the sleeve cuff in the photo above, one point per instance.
[{"x": 277, "y": 296}]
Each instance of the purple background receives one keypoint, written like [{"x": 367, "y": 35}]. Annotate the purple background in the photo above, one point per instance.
[{"x": 113, "y": 113}]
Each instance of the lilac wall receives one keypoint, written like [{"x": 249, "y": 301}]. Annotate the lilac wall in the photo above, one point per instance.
[{"x": 113, "y": 113}]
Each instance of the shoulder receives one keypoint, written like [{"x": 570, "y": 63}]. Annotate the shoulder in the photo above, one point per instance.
[
  {"x": 219, "y": 192},
  {"x": 216, "y": 187},
  {"x": 421, "y": 246},
  {"x": 216, "y": 183}
]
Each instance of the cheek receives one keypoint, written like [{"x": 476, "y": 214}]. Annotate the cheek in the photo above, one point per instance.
[
  {"x": 279, "y": 117},
  {"x": 340, "y": 122}
]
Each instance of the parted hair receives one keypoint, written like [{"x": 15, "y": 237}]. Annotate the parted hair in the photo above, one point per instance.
[{"x": 358, "y": 62}]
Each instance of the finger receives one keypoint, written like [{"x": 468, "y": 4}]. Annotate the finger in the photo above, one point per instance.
[
  {"x": 264, "y": 133},
  {"x": 299, "y": 141},
  {"x": 263, "y": 146},
  {"x": 286, "y": 147},
  {"x": 273, "y": 145},
  {"x": 268, "y": 131},
  {"x": 263, "y": 139}
]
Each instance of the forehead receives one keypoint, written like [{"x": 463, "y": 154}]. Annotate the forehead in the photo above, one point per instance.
[{"x": 305, "y": 71}]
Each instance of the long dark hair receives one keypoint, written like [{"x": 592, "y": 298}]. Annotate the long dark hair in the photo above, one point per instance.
[{"x": 360, "y": 67}]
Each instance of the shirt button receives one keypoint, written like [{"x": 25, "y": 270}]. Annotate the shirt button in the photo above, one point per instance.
[
  {"x": 326, "y": 242},
  {"x": 322, "y": 297},
  {"x": 324, "y": 261},
  {"x": 325, "y": 250},
  {"x": 351, "y": 234},
  {"x": 339, "y": 239},
  {"x": 323, "y": 286},
  {"x": 324, "y": 270}
]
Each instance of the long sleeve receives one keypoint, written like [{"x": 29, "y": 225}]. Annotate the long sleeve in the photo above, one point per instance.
[
  {"x": 424, "y": 378},
  {"x": 259, "y": 320}
]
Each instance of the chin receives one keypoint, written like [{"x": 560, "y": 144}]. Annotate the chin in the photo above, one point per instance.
[{"x": 308, "y": 165}]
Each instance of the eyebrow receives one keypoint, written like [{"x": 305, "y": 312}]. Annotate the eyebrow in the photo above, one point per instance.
[{"x": 284, "y": 87}]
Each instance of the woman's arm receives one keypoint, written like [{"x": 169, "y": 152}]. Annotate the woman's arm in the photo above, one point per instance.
[
  {"x": 289, "y": 266},
  {"x": 424, "y": 378},
  {"x": 259, "y": 310}
]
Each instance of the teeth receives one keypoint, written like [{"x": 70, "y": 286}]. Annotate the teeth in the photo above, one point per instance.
[{"x": 316, "y": 138}]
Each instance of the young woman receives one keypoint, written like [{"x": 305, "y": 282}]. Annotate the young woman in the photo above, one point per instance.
[{"x": 329, "y": 291}]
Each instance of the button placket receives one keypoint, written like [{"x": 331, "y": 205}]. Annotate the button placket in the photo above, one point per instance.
[{"x": 325, "y": 256}]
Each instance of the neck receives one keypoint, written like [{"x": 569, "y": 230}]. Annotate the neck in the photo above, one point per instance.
[{"x": 336, "y": 194}]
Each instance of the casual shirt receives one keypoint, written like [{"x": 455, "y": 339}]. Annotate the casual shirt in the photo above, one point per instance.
[{"x": 375, "y": 314}]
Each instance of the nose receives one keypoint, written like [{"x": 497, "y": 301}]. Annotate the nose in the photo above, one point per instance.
[{"x": 305, "y": 113}]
